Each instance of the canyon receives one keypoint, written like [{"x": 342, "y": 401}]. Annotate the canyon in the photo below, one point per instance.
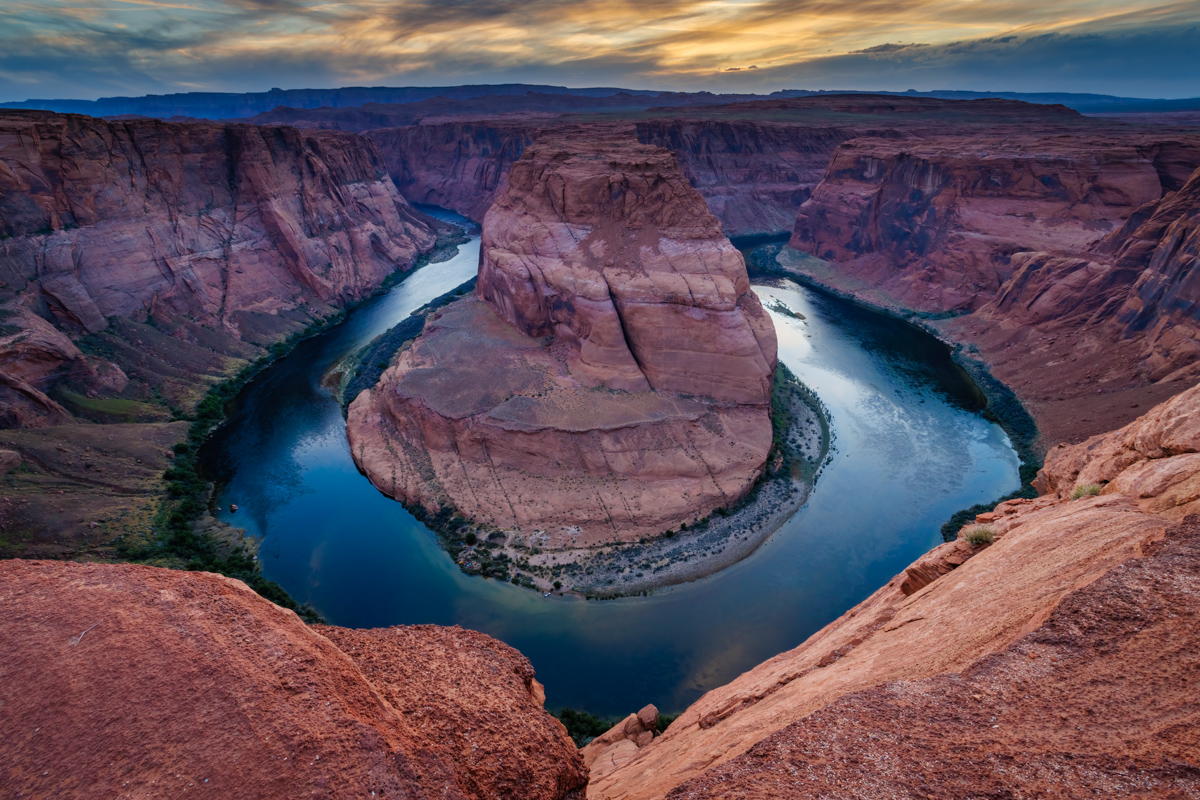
[
  {"x": 978, "y": 668},
  {"x": 141, "y": 263},
  {"x": 611, "y": 381}
]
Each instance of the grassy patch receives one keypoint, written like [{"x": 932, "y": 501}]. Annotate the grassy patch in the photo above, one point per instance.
[
  {"x": 1087, "y": 490},
  {"x": 979, "y": 535},
  {"x": 110, "y": 409}
]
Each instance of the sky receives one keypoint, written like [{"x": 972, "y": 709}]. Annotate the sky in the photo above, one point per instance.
[{"x": 91, "y": 48}]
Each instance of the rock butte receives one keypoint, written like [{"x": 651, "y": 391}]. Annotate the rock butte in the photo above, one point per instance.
[
  {"x": 613, "y": 378},
  {"x": 1058, "y": 657},
  {"x": 124, "y": 680}
]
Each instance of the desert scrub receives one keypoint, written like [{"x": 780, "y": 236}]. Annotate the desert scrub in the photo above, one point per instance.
[
  {"x": 979, "y": 535},
  {"x": 1087, "y": 490}
]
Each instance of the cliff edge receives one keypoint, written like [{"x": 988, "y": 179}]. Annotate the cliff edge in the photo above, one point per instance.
[
  {"x": 124, "y": 681},
  {"x": 1050, "y": 651}
]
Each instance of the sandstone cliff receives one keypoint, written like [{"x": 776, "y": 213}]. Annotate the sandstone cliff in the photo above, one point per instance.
[
  {"x": 213, "y": 222},
  {"x": 246, "y": 231},
  {"x": 1053, "y": 660},
  {"x": 614, "y": 379},
  {"x": 125, "y": 681},
  {"x": 456, "y": 165},
  {"x": 935, "y": 221}
]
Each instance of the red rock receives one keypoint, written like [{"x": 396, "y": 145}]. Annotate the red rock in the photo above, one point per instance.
[
  {"x": 1097, "y": 584},
  {"x": 212, "y": 222},
  {"x": 933, "y": 222},
  {"x": 128, "y": 680},
  {"x": 617, "y": 381}
]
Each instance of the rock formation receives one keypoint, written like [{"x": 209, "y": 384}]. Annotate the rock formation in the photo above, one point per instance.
[
  {"x": 246, "y": 231},
  {"x": 126, "y": 681},
  {"x": 934, "y": 222},
  {"x": 1057, "y": 657},
  {"x": 613, "y": 379},
  {"x": 217, "y": 223}
]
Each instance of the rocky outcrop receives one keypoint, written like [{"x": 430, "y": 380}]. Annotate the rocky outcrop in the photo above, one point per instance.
[
  {"x": 612, "y": 381},
  {"x": 935, "y": 222},
  {"x": 127, "y": 680},
  {"x": 619, "y": 744},
  {"x": 1154, "y": 460},
  {"x": 1013, "y": 651},
  {"x": 1091, "y": 702},
  {"x": 216, "y": 223}
]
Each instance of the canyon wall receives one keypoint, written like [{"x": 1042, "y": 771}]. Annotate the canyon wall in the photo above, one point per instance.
[
  {"x": 1058, "y": 656},
  {"x": 212, "y": 222},
  {"x": 753, "y": 175},
  {"x": 126, "y": 681},
  {"x": 935, "y": 221},
  {"x": 456, "y": 165},
  {"x": 612, "y": 380},
  {"x": 249, "y": 232}
]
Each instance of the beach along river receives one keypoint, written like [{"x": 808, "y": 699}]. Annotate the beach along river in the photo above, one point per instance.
[{"x": 910, "y": 449}]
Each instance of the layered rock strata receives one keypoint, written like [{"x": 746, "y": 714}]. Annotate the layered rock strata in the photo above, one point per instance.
[
  {"x": 129, "y": 681},
  {"x": 207, "y": 221},
  {"x": 935, "y": 221},
  {"x": 246, "y": 232},
  {"x": 612, "y": 380},
  {"x": 1051, "y": 659}
]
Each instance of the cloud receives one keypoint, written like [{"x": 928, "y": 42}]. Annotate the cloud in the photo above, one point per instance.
[{"x": 75, "y": 48}]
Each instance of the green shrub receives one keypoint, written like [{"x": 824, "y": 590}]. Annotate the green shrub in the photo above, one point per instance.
[
  {"x": 979, "y": 535},
  {"x": 582, "y": 726},
  {"x": 1087, "y": 490}
]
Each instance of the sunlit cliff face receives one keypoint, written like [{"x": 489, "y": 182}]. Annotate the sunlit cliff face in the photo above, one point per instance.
[{"x": 90, "y": 47}]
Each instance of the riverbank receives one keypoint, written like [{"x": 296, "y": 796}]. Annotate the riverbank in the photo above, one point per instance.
[
  {"x": 182, "y": 531},
  {"x": 1003, "y": 405}
]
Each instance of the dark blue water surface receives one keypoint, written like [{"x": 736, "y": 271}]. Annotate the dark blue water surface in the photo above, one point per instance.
[{"x": 909, "y": 450}]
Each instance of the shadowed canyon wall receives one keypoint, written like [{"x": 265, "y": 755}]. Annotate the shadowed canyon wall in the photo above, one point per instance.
[{"x": 246, "y": 231}]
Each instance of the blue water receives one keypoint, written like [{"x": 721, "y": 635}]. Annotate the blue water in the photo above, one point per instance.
[{"x": 910, "y": 449}]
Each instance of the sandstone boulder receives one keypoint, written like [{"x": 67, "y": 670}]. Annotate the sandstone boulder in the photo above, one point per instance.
[{"x": 126, "y": 680}]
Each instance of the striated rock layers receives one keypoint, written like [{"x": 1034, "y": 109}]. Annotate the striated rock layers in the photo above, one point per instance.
[
  {"x": 246, "y": 230},
  {"x": 612, "y": 380},
  {"x": 1058, "y": 660},
  {"x": 935, "y": 221},
  {"x": 212, "y": 222},
  {"x": 124, "y": 681}
]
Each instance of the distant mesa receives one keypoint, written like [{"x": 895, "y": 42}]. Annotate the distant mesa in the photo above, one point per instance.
[{"x": 612, "y": 379}]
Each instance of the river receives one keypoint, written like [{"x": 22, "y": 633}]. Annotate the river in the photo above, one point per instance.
[{"x": 910, "y": 449}]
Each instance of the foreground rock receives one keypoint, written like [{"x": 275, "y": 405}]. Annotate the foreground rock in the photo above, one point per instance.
[
  {"x": 1052, "y": 659},
  {"x": 612, "y": 381},
  {"x": 129, "y": 681}
]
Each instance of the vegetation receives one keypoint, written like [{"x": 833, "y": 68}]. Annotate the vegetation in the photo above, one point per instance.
[
  {"x": 1087, "y": 490},
  {"x": 582, "y": 726},
  {"x": 979, "y": 535},
  {"x": 174, "y": 539}
]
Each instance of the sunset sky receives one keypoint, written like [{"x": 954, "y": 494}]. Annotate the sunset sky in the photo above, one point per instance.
[{"x": 92, "y": 48}]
